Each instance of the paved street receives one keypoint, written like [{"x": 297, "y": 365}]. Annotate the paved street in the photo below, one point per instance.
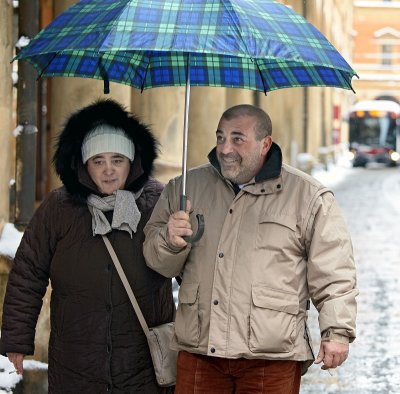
[{"x": 370, "y": 200}]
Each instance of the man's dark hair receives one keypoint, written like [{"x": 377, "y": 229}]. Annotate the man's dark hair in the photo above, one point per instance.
[{"x": 263, "y": 125}]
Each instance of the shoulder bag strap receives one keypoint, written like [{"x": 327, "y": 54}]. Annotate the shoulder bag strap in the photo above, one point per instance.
[{"x": 128, "y": 288}]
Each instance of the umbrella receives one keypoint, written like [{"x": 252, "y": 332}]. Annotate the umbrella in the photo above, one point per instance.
[{"x": 251, "y": 44}]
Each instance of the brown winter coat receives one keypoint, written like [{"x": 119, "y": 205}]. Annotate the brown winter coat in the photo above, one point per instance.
[
  {"x": 264, "y": 253},
  {"x": 96, "y": 343}
]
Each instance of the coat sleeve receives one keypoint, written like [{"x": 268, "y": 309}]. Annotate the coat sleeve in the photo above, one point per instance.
[
  {"x": 331, "y": 271},
  {"x": 28, "y": 281},
  {"x": 160, "y": 256}
]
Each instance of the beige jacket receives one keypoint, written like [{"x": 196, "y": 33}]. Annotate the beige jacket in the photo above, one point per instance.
[{"x": 265, "y": 252}]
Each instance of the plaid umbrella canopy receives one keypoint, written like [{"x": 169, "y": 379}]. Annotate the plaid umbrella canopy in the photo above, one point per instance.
[
  {"x": 260, "y": 45},
  {"x": 250, "y": 44}
]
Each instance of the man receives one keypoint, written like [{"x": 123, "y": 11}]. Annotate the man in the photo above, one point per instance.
[{"x": 274, "y": 238}]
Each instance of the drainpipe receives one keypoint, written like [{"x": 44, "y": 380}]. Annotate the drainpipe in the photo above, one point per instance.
[{"x": 25, "y": 177}]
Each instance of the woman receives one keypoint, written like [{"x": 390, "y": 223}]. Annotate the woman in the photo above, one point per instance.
[{"x": 104, "y": 158}]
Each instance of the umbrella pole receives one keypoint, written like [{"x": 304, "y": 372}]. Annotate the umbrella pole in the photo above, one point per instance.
[
  {"x": 185, "y": 133},
  {"x": 183, "y": 197}
]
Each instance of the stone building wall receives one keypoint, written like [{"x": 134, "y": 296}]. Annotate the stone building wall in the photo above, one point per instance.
[{"x": 7, "y": 141}]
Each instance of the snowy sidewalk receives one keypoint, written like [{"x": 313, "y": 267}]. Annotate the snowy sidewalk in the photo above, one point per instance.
[{"x": 10, "y": 382}]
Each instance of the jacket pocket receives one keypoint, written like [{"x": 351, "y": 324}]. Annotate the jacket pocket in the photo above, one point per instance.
[
  {"x": 272, "y": 322},
  {"x": 187, "y": 324},
  {"x": 275, "y": 229}
]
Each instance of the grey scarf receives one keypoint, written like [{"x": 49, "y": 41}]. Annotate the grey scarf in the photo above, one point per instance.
[{"x": 126, "y": 214}]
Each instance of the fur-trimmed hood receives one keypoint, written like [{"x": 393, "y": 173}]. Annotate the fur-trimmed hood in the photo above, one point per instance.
[{"x": 67, "y": 158}]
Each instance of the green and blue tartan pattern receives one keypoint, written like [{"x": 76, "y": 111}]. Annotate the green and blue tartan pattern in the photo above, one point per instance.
[{"x": 250, "y": 44}]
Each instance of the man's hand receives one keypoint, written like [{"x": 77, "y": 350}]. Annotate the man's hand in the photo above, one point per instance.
[
  {"x": 332, "y": 354},
  {"x": 179, "y": 226},
  {"x": 17, "y": 359}
]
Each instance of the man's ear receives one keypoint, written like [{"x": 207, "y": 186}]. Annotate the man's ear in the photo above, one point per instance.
[{"x": 267, "y": 143}]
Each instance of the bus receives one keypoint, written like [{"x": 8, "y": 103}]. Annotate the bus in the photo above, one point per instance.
[{"x": 374, "y": 133}]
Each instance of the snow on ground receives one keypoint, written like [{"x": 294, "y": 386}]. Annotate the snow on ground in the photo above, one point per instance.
[
  {"x": 369, "y": 198},
  {"x": 335, "y": 172},
  {"x": 9, "y": 379},
  {"x": 10, "y": 239}
]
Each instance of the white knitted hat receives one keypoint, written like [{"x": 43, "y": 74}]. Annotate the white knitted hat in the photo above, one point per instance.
[{"x": 106, "y": 138}]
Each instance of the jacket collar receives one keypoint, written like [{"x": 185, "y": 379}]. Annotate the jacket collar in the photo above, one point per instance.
[{"x": 271, "y": 169}]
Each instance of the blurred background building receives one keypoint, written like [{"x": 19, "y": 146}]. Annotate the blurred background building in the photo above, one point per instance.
[{"x": 376, "y": 53}]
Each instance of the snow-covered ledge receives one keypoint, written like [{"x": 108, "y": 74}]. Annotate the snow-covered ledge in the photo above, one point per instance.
[{"x": 10, "y": 239}]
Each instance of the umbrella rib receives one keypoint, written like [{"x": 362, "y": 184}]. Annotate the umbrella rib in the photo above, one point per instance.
[
  {"x": 113, "y": 25},
  {"x": 47, "y": 65},
  {"x": 264, "y": 82},
  {"x": 237, "y": 25},
  {"x": 145, "y": 76},
  {"x": 347, "y": 81}
]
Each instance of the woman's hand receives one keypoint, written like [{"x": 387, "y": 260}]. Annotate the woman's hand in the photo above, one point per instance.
[{"x": 17, "y": 359}]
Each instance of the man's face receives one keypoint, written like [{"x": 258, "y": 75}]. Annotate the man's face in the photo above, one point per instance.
[
  {"x": 239, "y": 153},
  {"x": 109, "y": 171}
]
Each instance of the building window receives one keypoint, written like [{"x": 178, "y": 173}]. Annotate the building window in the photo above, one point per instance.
[{"x": 387, "y": 54}]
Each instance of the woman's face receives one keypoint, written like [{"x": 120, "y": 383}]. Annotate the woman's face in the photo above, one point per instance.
[{"x": 109, "y": 171}]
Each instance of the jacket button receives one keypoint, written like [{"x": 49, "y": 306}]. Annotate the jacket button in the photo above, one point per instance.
[
  {"x": 278, "y": 186},
  {"x": 231, "y": 210},
  {"x": 262, "y": 190},
  {"x": 108, "y": 307},
  {"x": 220, "y": 255},
  {"x": 215, "y": 302},
  {"x": 109, "y": 267},
  {"x": 108, "y": 348},
  {"x": 212, "y": 350}
]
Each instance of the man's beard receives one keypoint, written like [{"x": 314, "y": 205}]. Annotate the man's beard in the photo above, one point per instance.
[{"x": 240, "y": 172}]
